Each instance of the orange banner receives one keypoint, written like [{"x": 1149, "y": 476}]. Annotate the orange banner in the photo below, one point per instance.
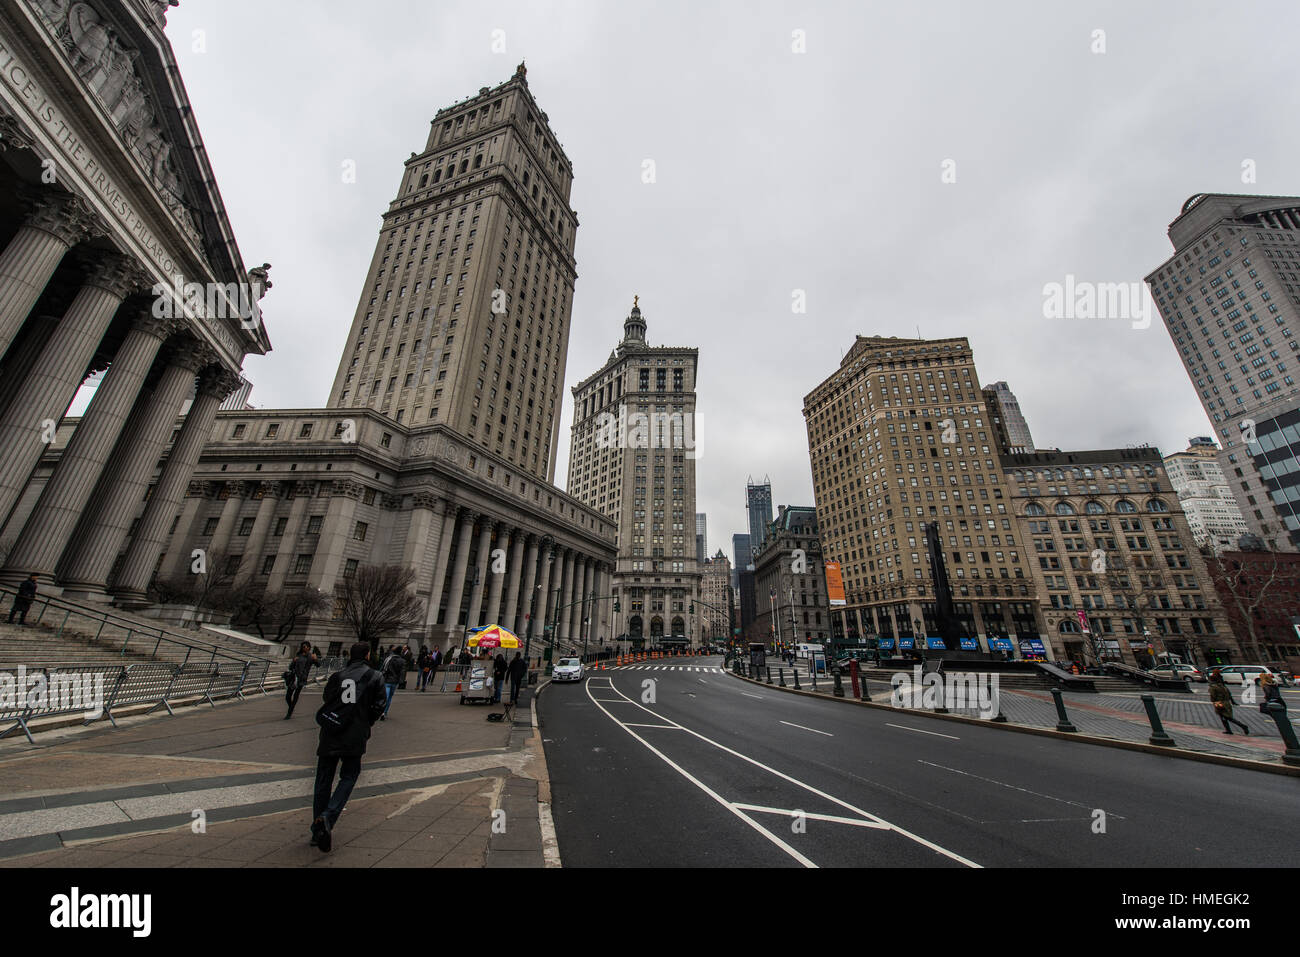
[{"x": 835, "y": 585}]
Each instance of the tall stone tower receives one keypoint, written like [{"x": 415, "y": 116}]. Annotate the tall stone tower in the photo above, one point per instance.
[
  {"x": 633, "y": 459},
  {"x": 463, "y": 320}
]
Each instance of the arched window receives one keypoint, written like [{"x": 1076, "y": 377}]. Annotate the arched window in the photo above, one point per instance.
[
  {"x": 1069, "y": 627},
  {"x": 1034, "y": 509},
  {"x": 1124, "y": 506},
  {"x": 424, "y": 181},
  {"x": 1095, "y": 508},
  {"x": 1064, "y": 508},
  {"x": 1156, "y": 505}
]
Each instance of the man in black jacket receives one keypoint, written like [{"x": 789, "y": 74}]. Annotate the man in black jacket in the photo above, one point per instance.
[
  {"x": 23, "y": 600},
  {"x": 518, "y": 668},
  {"x": 354, "y": 701},
  {"x": 299, "y": 670}
]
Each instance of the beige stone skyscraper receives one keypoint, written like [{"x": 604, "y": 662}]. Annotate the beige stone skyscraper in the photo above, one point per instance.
[
  {"x": 463, "y": 320},
  {"x": 633, "y": 459}
]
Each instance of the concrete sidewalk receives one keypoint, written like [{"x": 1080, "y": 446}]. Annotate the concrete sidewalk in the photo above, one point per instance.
[
  {"x": 1189, "y": 719},
  {"x": 231, "y": 787}
]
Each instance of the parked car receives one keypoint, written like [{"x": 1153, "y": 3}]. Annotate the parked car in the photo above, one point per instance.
[
  {"x": 568, "y": 669},
  {"x": 1178, "y": 670},
  {"x": 1240, "y": 674}
]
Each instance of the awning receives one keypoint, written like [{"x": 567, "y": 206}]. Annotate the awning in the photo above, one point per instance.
[
  {"x": 970, "y": 644},
  {"x": 906, "y": 643},
  {"x": 936, "y": 644},
  {"x": 885, "y": 644},
  {"x": 1001, "y": 644}
]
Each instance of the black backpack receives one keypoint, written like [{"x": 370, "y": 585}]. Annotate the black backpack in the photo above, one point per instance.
[{"x": 336, "y": 714}]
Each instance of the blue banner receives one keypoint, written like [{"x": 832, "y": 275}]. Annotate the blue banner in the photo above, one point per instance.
[
  {"x": 1001, "y": 644},
  {"x": 885, "y": 644},
  {"x": 906, "y": 643},
  {"x": 936, "y": 644},
  {"x": 1037, "y": 646},
  {"x": 970, "y": 644}
]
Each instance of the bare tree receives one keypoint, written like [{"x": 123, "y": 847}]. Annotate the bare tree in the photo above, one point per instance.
[
  {"x": 206, "y": 583},
  {"x": 1135, "y": 589},
  {"x": 274, "y": 613},
  {"x": 376, "y": 600},
  {"x": 1245, "y": 591}
]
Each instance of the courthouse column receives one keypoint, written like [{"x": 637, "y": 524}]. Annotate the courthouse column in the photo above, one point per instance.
[
  {"x": 301, "y": 494},
  {"x": 547, "y": 558},
  {"x": 480, "y": 574},
  {"x": 445, "y": 542},
  {"x": 566, "y": 596},
  {"x": 498, "y": 577},
  {"x": 455, "y": 599},
  {"x": 26, "y": 426},
  {"x": 86, "y": 564},
  {"x": 50, "y": 526},
  {"x": 513, "y": 579},
  {"x": 153, "y": 531},
  {"x": 526, "y": 589},
  {"x": 268, "y": 494},
  {"x": 55, "y": 222}
]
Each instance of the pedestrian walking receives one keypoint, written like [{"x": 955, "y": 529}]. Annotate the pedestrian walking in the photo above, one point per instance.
[
  {"x": 518, "y": 669},
  {"x": 354, "y": 700},
  {"x": 299, "y": 670},
  {"x": 1272, "y": 692},
  {"x": 23, "y": 600},
  {"x": 1221, "y": 697},
  {"x": 435, "y": 659},
  {"x": 409, "y": 659},
  {"x": 423, "y": 663},
  {"x": 499, "y": 670},
  {"x": 394, "y": 672}
]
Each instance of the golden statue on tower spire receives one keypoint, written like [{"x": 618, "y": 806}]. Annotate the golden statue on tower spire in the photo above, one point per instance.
[{"x": 634, "y": 299}]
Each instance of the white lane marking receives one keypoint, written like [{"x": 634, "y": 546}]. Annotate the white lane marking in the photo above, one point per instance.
[
  {"x": 748, "y": 695},
  {"x": 813, "y": 730},
  {"x": 1012, "y": 787},
  {"x": 666, "y": 727},
  {"x": 705, "y": 788},
  {"x": 788, "y": 812},
  {"x": 902, "y": 727},
  {"x": 952, "y": 855}
]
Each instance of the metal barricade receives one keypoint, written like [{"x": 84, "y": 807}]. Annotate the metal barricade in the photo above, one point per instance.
[
  {"x": 226, "y": 682},
  {"x": 43, "y": 692},
  {"x": 142, "y": 683},
  {"x": 452, "y": 676},
  {"x": 255, "y": 671}
]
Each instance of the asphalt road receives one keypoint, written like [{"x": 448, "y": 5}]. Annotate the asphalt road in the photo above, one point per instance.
[{"x": 691, "y": 768}]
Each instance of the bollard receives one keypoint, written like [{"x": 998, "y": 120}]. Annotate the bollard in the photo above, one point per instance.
[
  {"x": 1158, "y": 735},
  {"x": 1063, "y": 720},
  {"x": 1001, "y": 718},
  {"x": 769, "y": 674},
  {"x": 838, "y": 690},
  {"x": 812, "y": 667},
  {"x": 796, "y": 679},
  {"x": 1277, "y": 712},
  {"x": 780, "y": 673}
]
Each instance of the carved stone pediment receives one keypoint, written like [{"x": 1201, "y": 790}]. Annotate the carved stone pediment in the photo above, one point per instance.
[{"x": 110, "y": 71}]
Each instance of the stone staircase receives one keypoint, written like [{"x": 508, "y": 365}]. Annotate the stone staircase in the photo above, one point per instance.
[{"x": 61, "y": 633}]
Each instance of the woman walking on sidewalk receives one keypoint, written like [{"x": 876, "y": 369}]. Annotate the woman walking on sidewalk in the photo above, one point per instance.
[
  {"x": 1222, "y": 700},
  {"x": 299, "y": 669}
]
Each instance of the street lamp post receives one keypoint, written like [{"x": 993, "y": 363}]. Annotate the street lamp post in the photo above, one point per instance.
[{"x": 921, "y": 639}]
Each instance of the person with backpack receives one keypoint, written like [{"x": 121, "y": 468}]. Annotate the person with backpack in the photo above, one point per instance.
[
  {"x": 394, "y": 672},
  {"x": 353, "y": 701},
  {"x": 296, "y": 676}
]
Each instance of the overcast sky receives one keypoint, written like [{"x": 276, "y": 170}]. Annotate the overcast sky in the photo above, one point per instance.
[{"x": 775, "y": 171}]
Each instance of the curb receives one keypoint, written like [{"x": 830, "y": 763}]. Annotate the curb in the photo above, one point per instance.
[
  {"x": 1243, "y": 763},
  {"x": 550, "y": 843}
]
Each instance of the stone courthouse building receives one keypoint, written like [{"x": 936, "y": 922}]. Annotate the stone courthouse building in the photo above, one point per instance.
[
  {"x": 107, "y": 203},
  {"x": 437, "y": 447}
]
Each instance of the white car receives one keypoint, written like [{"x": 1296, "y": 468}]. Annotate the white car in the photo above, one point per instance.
[
  {"x": 568, "y": 669},
  {"x": 1240, "y": 674}
]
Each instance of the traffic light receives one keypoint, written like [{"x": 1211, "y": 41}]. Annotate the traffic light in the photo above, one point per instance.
[
  {"x": 616, "y": 604},
  {"x": 692, "y": 608}
]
